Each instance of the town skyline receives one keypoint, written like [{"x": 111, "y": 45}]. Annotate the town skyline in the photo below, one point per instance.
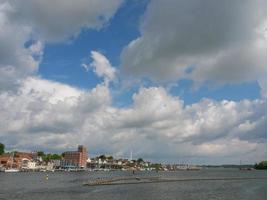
[
  {"x": 79, "y": 160},
  {"x": 131, "y": 156}
]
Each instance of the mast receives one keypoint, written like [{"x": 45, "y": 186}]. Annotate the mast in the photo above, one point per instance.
[
  {"x": 12, "y": 160},
  {"x": 131, "y": 155}
]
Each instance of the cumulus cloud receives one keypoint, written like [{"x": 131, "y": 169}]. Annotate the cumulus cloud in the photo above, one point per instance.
[
  {"x": 16, "y": 61},
  {"x": 223, "y": 41},
  {"x": 26, "y": 26},
  {"x": 46, "y": 110},
  {"x": 56, "y": 117},
  {"x": 58, "y": 20},
  {"x": 101, "y": 67}
]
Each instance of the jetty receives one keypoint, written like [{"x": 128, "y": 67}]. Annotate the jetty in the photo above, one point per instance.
[{"x": 146, "y": 180}]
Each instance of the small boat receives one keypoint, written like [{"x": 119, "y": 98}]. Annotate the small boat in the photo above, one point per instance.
[
  {"x": 246, "y": 169},
  {"x": 12, "y": 170}
]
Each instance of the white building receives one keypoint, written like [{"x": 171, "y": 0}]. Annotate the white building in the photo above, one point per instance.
[{"x": 28, "y": 164}]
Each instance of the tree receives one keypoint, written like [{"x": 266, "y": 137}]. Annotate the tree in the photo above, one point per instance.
[
  {"x": 110, "y": 157},
  {"x": 140, "y": 160},
  {"x": 261, "y": 165},
  {"x": 55, "y": 157},
  {"x": 40, "y": 153},
  {"x": 2, "y": 148},
  {"x": 46, "y": 157},
  {"x": 102, "y": 157},
  {"x": 49, "y": 157}
]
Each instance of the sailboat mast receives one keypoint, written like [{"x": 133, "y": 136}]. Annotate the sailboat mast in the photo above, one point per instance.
[{"x": 12, "y": 159}]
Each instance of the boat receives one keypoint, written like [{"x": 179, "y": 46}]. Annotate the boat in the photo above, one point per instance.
[
  {"x": 11, "y": 170},
  {"x": 246, "y": 169}
]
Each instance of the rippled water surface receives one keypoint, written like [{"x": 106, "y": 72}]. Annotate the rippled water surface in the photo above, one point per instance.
[{"x": 68, "y": 185}]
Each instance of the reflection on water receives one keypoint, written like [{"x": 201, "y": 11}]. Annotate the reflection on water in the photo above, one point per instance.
[{"x": 68, "y": 185}]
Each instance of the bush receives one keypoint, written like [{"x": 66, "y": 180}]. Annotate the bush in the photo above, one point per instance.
[{"x": 261, "y": 165}]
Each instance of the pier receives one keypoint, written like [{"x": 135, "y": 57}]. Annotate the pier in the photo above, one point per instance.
[{"x": 146, "y": 180}]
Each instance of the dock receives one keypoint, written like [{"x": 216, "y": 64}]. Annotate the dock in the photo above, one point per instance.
[{"x": 147, "y": 180}]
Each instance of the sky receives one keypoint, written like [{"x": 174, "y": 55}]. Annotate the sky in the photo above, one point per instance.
[{"x": 177, "y": 81}]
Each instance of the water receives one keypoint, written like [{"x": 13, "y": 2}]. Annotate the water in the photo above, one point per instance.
[{"x": 68, "y": 185}]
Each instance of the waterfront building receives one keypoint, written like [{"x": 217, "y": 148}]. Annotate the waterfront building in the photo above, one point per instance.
[
  {"x": 56, "y": 163},
  {"x": 28, "y": 164},
  {"x": 5, "y": 160},
  {"x": 14, "y": 160},
  {"x": 76, "y": 158}
]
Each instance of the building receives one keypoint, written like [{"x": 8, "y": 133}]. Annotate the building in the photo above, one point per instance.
[
  {"x": 84, "y": 155},
  {"x": 14, "y": 160},
  {"x": 28, "y": 164},
  {"x": 27, "y": 155},
  {"x": 6, "y": 160},
  {"x": 76, "y": 158}
]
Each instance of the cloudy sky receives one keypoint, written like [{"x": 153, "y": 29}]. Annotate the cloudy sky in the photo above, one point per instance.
[{"x": 173, "y": 81}]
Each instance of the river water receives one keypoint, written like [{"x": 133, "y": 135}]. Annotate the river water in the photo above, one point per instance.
[{"x": 69, "y": 185}]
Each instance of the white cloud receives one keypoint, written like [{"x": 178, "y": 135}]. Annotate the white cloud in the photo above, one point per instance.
[
  {"x": 56, "y": 117},
  {"x": 223, "y": 41},
  {"x": 43, "y": 108},
  {"x": 58, "y": 20},
  {"x": 54, "y": 92},
  {"x": 25, "y": 27},
  {"x": 16, "y": 61},
  {"x": 101, "y": 67}
]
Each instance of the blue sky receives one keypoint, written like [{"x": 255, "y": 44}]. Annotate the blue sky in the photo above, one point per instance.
[
  {"x": 110, "y": 40},
  {"x": 178, "y": 80},
  {"x": 62, "y": 61}
]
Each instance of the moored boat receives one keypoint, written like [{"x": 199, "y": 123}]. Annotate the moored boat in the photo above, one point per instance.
[{"x": 11, "y": 170}]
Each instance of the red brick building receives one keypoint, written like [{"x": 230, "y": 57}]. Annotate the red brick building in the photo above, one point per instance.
[
  {"x": 14, "y": 160},
  {"x": 77, "y": 158}
]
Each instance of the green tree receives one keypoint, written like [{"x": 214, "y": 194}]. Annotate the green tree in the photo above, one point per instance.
[
  {"x": 46, "y": 157},
  {"x": 140, "y": 160},
  {"x": 40, "y": 153},
  {"x": 55, "y": 157},
  {"x": 102, "y": 157},
  {"x": 110, "y": 157},
  {"x": 2, "y": 148},
  {"x": 261, "y": 165},
  {"x": 49, "y": 157}
]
